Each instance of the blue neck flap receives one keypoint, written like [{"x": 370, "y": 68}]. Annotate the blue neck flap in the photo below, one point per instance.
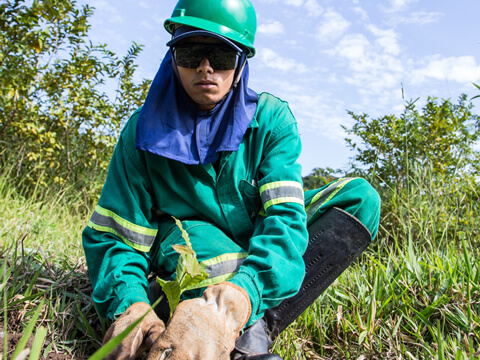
[{"x": 170, "y": 125}]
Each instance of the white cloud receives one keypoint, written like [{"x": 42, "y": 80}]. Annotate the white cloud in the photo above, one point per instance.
[
  {"x": 352, "y": 47},
  {"x": 315, "y": 111},
  {"x": 105, "y": 7},
  {"x": 272, "y": 28},
  {"x": 296, "y": 3},
  {"x": 371, "y": 65},
  {"x": 273, "y": 60},
  {"x": 313, "y": 108},
  {"x": 361, "y": 13},
  {"x": 399, "y": 5},
  {"x": 460, "y": 69},
  {"x": 144, "y": 5},
  {"x": 332, "y": 26},
  {"x": 314, "y": 8},
  {"x": 419, "y": 18},
  {"x": 387, "y": 39}
]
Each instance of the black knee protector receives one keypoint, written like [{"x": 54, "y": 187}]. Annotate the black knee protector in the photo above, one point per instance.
[{"x": 336, "y": 239}]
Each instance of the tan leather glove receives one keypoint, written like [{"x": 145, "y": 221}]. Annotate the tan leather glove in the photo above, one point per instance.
[
  {"x": 204, "y": 328},
  {"x": 138, "y": 340}
]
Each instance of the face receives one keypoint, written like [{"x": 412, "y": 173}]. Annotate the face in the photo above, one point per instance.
[{"x": 205, "y": 85}]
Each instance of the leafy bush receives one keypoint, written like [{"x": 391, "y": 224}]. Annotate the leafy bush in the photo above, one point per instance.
[
  {"x": 425, "y": 155},
  {"x": 58, "y": 127}
]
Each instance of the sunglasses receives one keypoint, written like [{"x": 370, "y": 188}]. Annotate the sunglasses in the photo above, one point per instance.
[{"x": 191, "y": 55}]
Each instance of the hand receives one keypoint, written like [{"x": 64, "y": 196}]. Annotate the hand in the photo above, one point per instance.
[
  {"x": 204, "y": 328},
  {"x": 143, "y": 336}
]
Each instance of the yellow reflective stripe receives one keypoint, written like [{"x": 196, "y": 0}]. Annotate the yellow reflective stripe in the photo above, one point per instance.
[
  {"x": 279, "y": 192},
  {"x": 217, "y": 261},
  {"x": 212, "y": 281},
  {"x": 224, "y": 257},
  {"x": 277, "y": 184},
  {"x": 138, "y": 247},
  {"x": 110, "y": 230},
  {"x": 331, "y": 191},
  {"x": 125, "y": 223},
  {"x": 282, "y": 200}
]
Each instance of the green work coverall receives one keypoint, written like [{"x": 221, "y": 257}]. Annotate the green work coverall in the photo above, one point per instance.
[{"x": 246, "y": 215}]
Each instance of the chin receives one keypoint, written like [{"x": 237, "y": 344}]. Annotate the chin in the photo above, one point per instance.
[{"x": 208, "y": 103}]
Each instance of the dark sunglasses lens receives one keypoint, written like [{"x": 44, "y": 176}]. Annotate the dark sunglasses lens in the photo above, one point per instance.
[
  {"x": 222, "y": 59},
  {"x": 191, "y": 56},
  {"x": 188, "y": 57}
]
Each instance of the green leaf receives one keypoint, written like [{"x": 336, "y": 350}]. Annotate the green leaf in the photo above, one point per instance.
[
  {"x": 173, "y": 291},
  {"x": 89, "y": 329},
  {"x": 190, "y": 281},
  {"x": 38, "y": 343},
  {"x": 183, "y": 249},
  {"x": 181, "y": 268},
  {"x": 189, "y": 271},
  {"x": 184, "y": 233},
  {"x": 28, "y": 331},
  {"x": 362, "y": 336},
  {"x": 194, "y": 268}
]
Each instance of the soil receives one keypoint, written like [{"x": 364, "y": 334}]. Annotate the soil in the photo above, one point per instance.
[{"x": 14, "y": 338}]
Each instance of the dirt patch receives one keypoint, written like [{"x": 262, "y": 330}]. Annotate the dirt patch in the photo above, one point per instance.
[
  {"x": 14, "y": 338},
  {"x": 12, "y": 341}
]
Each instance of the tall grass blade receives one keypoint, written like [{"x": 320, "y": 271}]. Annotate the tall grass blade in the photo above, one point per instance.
[
  {"x": 38, "y": 343},
  {"x": 114, "y": 342},
  {"x": 28, "y": 331},
  {"x": 441, "y": 349}
]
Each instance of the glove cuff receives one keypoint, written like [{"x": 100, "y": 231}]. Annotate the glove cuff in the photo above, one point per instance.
[{"x": 245, "y": 294}]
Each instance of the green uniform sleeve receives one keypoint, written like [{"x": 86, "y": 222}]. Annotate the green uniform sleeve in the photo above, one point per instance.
[
  {"x": 120, "y": 232},
  {"x": 274, "y": 268}
]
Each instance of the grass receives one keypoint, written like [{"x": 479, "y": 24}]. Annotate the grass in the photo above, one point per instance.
[
  {"x": 414, "y": 294},
  {"x": 42, "y": 260}
]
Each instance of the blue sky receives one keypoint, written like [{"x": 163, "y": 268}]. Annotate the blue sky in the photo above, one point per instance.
[{"x": 327, "y": 57}]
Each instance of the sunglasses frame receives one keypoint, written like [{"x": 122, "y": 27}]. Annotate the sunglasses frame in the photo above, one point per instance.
[{"x": 206, "y": 52}]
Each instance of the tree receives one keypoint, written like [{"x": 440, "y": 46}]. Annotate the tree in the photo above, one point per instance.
[
  {"x": 424, "y": 166},
  {"x": 319, "y": 177},
  {"x": 441, "y": 135},
  {"x": 57, "y": 125}
]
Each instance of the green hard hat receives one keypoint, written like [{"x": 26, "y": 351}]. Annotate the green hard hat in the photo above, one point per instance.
[{"x": 232, "y": 19}]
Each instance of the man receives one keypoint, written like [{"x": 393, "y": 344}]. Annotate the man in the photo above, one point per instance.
[{"x": 213, "y": 153}]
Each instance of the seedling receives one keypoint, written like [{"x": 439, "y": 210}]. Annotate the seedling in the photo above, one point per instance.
[{"x": 189, "y": 271}]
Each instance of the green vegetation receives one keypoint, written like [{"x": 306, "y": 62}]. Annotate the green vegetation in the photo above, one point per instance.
[
  {"x": 188, "y": 275},
  {"x": 414, "y": 294},
  {"x": 58, "y": 127}
]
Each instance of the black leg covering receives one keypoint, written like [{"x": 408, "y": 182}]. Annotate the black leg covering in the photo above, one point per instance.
[{"x": 336, "y": 239}]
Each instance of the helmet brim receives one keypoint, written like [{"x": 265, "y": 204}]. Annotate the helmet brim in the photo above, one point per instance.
[
  {"x": 184, "y": 32},
  {"x": 171, "y": 25}
]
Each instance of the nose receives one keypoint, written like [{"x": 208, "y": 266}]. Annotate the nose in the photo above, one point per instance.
[{"x": 205, "y": 66}]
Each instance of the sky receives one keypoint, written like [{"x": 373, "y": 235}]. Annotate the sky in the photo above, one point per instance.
[{"x": 327, "y": 57}]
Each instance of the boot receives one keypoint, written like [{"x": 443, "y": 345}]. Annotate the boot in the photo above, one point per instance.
[
  {"x": 253, "y": 344},
  {"x": 336, "y": 239}
]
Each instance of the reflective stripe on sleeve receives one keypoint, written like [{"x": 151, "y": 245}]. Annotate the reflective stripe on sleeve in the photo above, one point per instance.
[
  {"x": 220, "y": 268},
  {"x": 281, "y": 192},
  {"x": 138, "y": 237}
]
